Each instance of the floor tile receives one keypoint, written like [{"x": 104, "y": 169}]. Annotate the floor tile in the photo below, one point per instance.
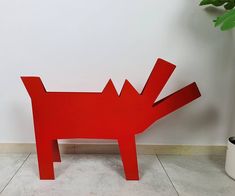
[
  {"x": 198, "y": 175},
  {"x": 9, "y": 164},
  {"x": 91, "y": 175}
]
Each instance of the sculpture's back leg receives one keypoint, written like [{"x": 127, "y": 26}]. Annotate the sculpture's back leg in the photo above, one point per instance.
[
  {"x": 45, "y": 148},
  {"x": 45, "y": 158},
  {"x": 127, "y": 148},
  {"x": 56, "y": 151}
]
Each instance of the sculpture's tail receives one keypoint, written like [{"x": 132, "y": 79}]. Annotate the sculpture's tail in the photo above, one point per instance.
[{"x": 33, "y": 85}]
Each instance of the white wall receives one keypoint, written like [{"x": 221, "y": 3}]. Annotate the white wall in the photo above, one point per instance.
[{"x": 77, "y": 45}]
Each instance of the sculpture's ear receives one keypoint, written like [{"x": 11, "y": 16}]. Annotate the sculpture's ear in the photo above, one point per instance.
[
  {"x": 128, "y": 90},
  {"x": 109, "y": 89}
]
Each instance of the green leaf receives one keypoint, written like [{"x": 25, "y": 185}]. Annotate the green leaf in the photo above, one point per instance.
[
  {"x": 219, "y": 2},
  {"x": 228, "y": 24},
  {"x": 223, "y": 17},
  {"x": 206, "y": 2},
  {"x": 227, "y": 20},
  {"x": 214, "y": 2},
  {"x": 230, "y": 5}
]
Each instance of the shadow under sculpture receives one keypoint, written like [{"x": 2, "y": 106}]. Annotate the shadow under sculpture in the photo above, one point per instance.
[{"x": 101, "y": 115}]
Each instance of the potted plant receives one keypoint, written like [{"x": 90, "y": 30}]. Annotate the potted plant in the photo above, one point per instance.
[
  {"x": 230, "y": 158},
  {"x": 226, "y": 21}
]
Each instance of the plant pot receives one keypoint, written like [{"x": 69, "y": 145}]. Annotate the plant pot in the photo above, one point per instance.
[{"x": 230, "y": 158}]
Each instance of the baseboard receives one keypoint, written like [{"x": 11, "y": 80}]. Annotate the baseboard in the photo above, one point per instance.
[{"x": 113, "y": 149}]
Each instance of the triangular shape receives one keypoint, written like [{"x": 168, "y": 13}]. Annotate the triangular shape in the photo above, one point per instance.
[
  {"x": 109, "y": 89},
  {"x": 128, "y": 89}
]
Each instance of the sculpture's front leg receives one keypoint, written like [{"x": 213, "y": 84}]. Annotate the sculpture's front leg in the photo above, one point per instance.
[{"x": 127, "y": 148}]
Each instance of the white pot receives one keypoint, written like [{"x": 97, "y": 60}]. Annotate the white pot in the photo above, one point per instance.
[{"x": 230, "y": 158}]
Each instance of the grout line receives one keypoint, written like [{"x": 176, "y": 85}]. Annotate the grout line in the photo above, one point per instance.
[
  {"x": 15, "y": 173},
  {"x": 167, "y": 175}
]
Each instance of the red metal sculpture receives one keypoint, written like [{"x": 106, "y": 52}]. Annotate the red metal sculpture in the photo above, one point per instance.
[{"x": 101, "y": 115}]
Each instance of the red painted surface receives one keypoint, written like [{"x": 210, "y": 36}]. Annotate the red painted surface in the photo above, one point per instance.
[{"x": 101, "y": 115}]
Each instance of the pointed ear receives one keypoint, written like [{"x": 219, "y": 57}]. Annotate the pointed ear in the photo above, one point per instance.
[
  {"x": 109, "y": 88},
  {"x": 128, "y": 89}
]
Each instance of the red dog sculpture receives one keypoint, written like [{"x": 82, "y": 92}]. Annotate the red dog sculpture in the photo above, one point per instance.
[{"x": 101, "y": 115}]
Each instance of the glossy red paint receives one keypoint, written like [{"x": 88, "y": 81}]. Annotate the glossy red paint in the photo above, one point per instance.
[{"x": 101, "y": 115}]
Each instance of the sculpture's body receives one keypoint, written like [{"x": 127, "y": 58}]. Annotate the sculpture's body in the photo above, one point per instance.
[{"x": 104, "y": 115}]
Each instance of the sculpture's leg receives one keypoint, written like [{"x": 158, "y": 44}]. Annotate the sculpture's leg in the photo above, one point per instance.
[
  {"x": 44, "y": 147},
  {"x": 45, "y": 158},
  {"x": 127, "y": 148},
  {"x": 56, "y": 151}
]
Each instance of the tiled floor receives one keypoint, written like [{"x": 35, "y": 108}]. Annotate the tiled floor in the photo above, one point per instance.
[{"x": 103, "y": 175}]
